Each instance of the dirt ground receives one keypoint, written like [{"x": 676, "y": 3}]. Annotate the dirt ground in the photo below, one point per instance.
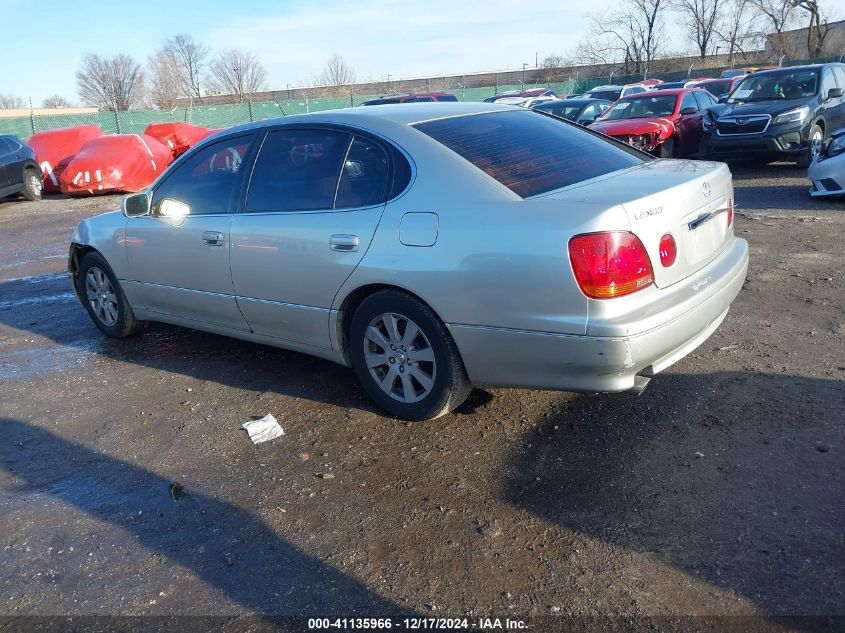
[{"x": 717, "y": 492}]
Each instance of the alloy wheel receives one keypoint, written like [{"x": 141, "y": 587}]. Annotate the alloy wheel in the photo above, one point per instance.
[
  {"x": 399, "y": 357},
  {"x": 35, "y": 185},
  {"x": 101, "y": 296}
]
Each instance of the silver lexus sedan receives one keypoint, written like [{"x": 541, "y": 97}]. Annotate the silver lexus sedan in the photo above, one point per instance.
[{"x": 430, "y": 247}]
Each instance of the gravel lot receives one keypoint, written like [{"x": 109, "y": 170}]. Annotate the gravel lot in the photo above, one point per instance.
[{"x": 719, "y": 491}]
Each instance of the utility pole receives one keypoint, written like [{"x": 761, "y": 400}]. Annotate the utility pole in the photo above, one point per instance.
[{"x": 524, "y": 65}]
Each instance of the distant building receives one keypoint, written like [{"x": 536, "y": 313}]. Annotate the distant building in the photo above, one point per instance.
[
  {"x": 793, "y": 44},
  {"x": 25, "y": 112}
]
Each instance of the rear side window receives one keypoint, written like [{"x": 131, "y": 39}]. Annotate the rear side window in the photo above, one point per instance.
[
  {"x": 365, "y": 176},
  {"x": 297, "y": 170},
  {"x": 530, "y": 154},
  {"x": 5, "y": 145},
  {"x": 447, "y": 98}
]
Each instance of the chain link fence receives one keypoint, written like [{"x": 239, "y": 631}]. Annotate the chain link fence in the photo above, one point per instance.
[{"x": 220, "y": 116}]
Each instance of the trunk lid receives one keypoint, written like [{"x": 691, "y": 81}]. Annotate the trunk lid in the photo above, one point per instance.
[{"x": 686, "y": 199}]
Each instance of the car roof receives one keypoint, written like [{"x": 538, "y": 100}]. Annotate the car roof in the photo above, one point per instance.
[
  {"x": 392, "y": 113},
  {"x": 570, "y": 102},
  {"x": 774, "y": 71},
  {"x": 662, "y": 93}
]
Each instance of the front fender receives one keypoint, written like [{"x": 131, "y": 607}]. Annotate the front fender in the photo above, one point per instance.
[{"x": 105, "y": 234}]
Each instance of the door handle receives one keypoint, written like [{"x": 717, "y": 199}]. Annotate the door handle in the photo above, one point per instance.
[
  {"x": 212, "y": 238},
  {"x": 344, "y": 243}
]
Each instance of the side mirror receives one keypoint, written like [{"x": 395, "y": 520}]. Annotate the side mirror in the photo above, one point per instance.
[
  {"x": 173, "y": 209},
  {"x": 834, "y": 93},
  {"x": 135, "y": 205},
  {"x": 723, "y": 98},
  {"x": 689, "y": 110}
]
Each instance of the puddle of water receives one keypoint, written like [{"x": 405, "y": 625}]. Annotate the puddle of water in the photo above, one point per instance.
[
  {"x": 65, "y": 296},
  {"x": 35, "y": 279}
]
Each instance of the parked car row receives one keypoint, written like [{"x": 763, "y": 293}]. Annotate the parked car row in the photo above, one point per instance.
[{"x": 763, "y": 115}]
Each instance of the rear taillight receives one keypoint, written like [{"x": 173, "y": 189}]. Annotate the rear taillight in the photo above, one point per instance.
[
  {"x": 730, "y": 212},
  {"x": 668, "y": 250},
  {"x": 610, "y": 264}
]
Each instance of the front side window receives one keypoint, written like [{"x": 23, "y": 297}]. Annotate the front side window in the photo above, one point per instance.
[
  {"x": 688, "y": 101},
  {"x": 705, "y": 100},
  {"x": 828, "y": 82},
  {"x": 642, "y": 107},
  {"x": 297, "y": 170},
  {"x": 206, "y": 180},
  {"x": 527, "y": 153}
]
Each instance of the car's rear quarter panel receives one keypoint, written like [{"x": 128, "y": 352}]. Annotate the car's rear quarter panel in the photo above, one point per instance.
[{"x": 498, "y": 261}]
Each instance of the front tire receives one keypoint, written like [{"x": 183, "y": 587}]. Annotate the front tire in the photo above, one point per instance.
[
  {"x": 33, "y": 185},
  {"x": 405, "y": 358},
  {"x": 104, "y": 298},
  {"x": 814, "y": 145},
  {"x": 667, "y": 148}
]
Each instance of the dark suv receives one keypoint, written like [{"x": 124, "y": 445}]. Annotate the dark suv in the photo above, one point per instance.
[
  {"x": 19, "y": 173},
  {"x": 777, "y": 114}
]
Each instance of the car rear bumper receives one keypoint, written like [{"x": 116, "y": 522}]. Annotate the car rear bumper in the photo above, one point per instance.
[{"x": 592, "y": 363}]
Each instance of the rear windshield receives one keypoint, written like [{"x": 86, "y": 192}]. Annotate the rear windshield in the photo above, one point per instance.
[
  {"x": 609, "y": 95},
  {"x": 717, "y": 88},
  {"x": 530, "y": 152}
]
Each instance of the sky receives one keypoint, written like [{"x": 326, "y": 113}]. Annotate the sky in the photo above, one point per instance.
[{"x": 292, "y": 38}]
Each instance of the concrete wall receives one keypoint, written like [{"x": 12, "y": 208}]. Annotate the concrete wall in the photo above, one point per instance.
[{"x": 23, "y": 112}]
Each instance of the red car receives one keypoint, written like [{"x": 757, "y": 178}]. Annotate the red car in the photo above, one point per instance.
[{"x": 666, "y": 123}]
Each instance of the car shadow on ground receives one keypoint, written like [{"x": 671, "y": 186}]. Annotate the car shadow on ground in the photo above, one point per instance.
[
  {"x": 227, "y": 547},
  {"x": 46, "y": 307},
  {"x": 734, "y": 478}
]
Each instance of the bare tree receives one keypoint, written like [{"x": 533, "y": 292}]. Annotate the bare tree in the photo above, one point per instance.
[
  {"x": 238, "y": 72},
  {"x": 701, "y": 18},
  {"x": 11, "y": 102},
  {"x": 818, "y": 28},
  {"x": 551, "y": 68},
  {"x": 632, "y": 35},
  {"x": 192, "y": 59},
  {"x": 110, "y": 83},
  {"x": 738, "y": 31},
  {"x": 776, "y": 17},
  {"x": 166, "y": 79},
  {"x": 56, "y": 101},
  {"x": 337, "y": 72}
]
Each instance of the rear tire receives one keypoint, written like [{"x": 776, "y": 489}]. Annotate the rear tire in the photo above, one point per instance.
[
  {"x": 405, "y": 358},
  {"x": 814, "y": 145},
  {"x": 667, "y": 148},
  {"x": 33, "y": 185},
  {"x": 104, "y": 299}
]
